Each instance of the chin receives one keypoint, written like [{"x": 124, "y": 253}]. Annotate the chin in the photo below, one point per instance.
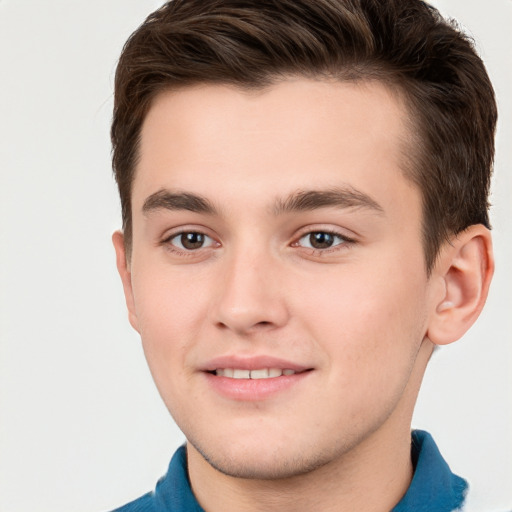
[{"x": 263, "y": 462}]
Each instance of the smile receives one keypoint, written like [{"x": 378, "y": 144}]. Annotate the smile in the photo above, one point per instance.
[
  {"x": 254, "y": 378},
  {"x": 262, "y": 373}
]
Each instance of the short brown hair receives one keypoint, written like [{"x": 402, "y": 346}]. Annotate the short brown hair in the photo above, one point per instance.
[{"x": 252, "y": 44}]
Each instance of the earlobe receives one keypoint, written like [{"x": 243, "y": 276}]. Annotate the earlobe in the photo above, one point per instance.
[
  {"x": 126, "y": 277},
  {"x": 465, "y": 268}
]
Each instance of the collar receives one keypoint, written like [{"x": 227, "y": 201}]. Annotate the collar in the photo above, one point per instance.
[{"x": 433, "y": 486}]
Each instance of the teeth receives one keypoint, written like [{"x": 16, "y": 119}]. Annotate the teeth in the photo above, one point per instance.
[
  {"x": 263, "y": 373},
  {"x": 241, "y": 374},
  {"x": 259, "y": 374}
]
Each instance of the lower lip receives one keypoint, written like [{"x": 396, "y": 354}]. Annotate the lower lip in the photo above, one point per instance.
[{"x": 254, "y": 389}]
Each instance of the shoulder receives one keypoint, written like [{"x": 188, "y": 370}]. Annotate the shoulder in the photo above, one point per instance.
[
  {"x": 172, "y": 492},
  {"x": 435, "y": 487},
  {"x": 145, "y": 503}
]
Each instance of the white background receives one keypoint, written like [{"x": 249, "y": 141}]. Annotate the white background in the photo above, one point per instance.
[{"x": 82, "y": 427}]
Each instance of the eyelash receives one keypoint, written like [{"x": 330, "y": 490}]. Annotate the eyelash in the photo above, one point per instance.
[{"x": 344, "y": 242}]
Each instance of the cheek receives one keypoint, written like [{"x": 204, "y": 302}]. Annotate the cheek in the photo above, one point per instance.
[
  {"x": 168, "y": 323},
  {"x": 167, "y": 312},
  {"x": 370, "y": 325}
]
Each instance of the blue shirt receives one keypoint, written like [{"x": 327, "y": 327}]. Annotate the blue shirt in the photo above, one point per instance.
[{"x": 433, "y": 487}]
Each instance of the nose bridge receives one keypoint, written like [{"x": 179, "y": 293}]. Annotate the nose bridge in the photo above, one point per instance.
[{"x": 250, "y": 295}]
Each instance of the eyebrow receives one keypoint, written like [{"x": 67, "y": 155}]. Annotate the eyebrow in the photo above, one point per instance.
[
  {"x": 167, "y": 200},
  {"x": 339, "y": 197},
  {"x": 302, "y": 200}
]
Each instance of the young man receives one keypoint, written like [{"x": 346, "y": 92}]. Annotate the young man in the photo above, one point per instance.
[{"x": 304, "y": 192}]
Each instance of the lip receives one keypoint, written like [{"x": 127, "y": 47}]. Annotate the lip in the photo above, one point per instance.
[
  {"x": 251, "y": 390},
  {"x": 252, "y": 363}
]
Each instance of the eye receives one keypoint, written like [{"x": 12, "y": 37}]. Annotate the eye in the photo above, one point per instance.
[
  {"x": 321, "y": 240},
  {"x": 190, "y": 240}
]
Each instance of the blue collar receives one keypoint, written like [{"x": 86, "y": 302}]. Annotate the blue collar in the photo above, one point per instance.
[{"x": 433, "y": 487}]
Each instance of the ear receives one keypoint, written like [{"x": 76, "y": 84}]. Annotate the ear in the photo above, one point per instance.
[
  {"x": 464, "y": 269},
  {"x": 123, "y": 268}
]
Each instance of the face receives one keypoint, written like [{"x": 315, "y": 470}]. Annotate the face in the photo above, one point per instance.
[{"x": 277, "y": 276}]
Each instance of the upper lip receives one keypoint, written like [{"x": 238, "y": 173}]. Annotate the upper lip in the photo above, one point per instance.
[{"x": 252, "y": 363}]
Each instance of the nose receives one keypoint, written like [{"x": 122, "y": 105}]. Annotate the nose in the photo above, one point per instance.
[{"x": 251, "y": 294}]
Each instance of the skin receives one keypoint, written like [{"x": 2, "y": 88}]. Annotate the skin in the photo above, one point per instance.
[{"x": 361, "y": 315}]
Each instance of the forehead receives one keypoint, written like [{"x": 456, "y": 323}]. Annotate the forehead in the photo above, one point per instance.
[{"x": 218, "y": 140}]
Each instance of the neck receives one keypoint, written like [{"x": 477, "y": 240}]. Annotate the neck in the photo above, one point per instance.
[{"x": 372, "y": 477}]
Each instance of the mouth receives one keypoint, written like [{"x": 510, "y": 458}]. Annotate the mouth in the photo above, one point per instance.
[
  {"x": 255, "y": 378},
  {"x": 260, "y": 373}
]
